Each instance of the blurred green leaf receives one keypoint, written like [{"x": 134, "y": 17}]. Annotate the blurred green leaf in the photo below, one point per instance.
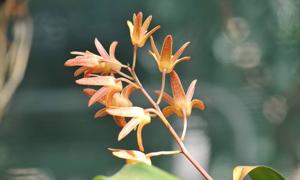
[
  {"x": 139, "y": 171},
  {"x": 256, "y": 173}
]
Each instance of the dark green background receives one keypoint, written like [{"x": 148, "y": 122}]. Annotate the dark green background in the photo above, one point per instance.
[{"x": 49, "y": 126}]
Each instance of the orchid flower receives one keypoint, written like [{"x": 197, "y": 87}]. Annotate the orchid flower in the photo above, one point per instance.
[
  {"x": 140, "y": 118},
  {"x": 181, "y": 103},
  {"x": 165, "y": 60},
  {"x": 110, "y": 85},
  {"x": 117, "y": 100},
  {"x": 133, "y": 156},
  {"x": 139, "y": 30},
  {"x": 105, "y": 64}
]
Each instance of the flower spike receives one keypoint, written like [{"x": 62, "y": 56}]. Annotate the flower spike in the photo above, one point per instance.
[{"x": 139, "y": 31}]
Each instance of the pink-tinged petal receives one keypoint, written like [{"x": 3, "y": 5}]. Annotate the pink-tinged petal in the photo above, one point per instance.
[
  {"x": 112, "y": 49},
  {"x": 186, "y": 58},
  {"x": 132, "y": 124},
  {"x": 196, "y": 103},
  {"x": 77, "y": 53},
  {"x": 126, "y": 92},
  {"x": 154, "y": 48},
  {"x": 101, "y": 49},
  {"x": 168, "y": 111},
  {"x": 166, "y": 51},
  {"x": 78, "y": 61},
  {"x": 126, "y": 111},
  {"x": 98, "y": 96},
  {"x": 101, "y": 113},
  {"x": 146, "y": 24},
  {"x": 120, "y": 121},
  {"x": 139, "y": 136},
  {"x": 97, "y": 81},
  {"x": 180, "y": 51},
  {"x": 191, "y": 90},
  {"x": 89, "y": 91},
  {"x": 166, "y": 97},
  {"x": 177, "y": 89}
]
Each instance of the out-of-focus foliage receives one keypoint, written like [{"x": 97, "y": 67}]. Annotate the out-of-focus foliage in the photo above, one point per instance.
[
  {"x": 256, "y": 173},
  {"x": 139, "y": 171}
]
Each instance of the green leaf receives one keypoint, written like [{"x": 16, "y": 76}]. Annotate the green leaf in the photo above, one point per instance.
[
  {"x": 139, "y": 171},
  {"x": 256, "y": 173}
]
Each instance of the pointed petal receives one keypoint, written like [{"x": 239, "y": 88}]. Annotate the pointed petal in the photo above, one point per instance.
[
  {"x": 124, "y": 154},
  {"x": 154, "y": 56},
  {"x": 80, "y": 71},
  {"x": 191, "y": 90},
  {"x": 126, "y": 111},
  {"x": 154, "y": 48},
  {"x": 168, "y": 111},
  {"x": 196, "y": 103},
  {"x": 98, "y": 96},
  {"x": 79, "y": 61},
  {"x": 126, "y": 92},
  {"x": 128, "y": 128},
  {"x": 166, "y": 97},
  {"x": 139, "y": 136},
  {"x": 180, "y": 51},
  {"x": 130, "y": 26},
  {"x": 79, "y": 53},
  {"x": 146, "y": 24},
  {"x": 120, "y": 121},
  {"x": 137, "y": 25},
  {"x": 186, "y": 58},
  {"x": 166, "y": 51},
  {"x": 146, "y": 36},
  {"x": 89, "y": 91},
  {"x": 97, "y": 81},
  {"x": 112, "y": 49},
  {"x": 101, "y": 49},
  {"x": 101, "y": 113},
  {"x": 177, "y": 89}
]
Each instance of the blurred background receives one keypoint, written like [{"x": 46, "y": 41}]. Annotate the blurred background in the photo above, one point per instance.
[{"x": 245, "y": 55}]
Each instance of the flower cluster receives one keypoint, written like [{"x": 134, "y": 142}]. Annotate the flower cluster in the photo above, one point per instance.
[{"x": 113, "y": 87}]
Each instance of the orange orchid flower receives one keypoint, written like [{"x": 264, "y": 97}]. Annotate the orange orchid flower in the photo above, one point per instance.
[
  {"x": 104, "y": 64},
  {"x": 139, "y": 30},
  {"x": 165, "y": 60},
  {"x": 111, "y": 85},
  {"x": 117, "y": 100},
  {"x": 133, "y": 156},
  {"x": 181, "y": 103},
  {"x": 140, "y": 118}
]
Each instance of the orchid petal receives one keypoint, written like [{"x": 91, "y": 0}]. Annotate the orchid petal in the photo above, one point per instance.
[
  {"x": 198, "y": 104},
  {"x": 112, "y": 49},
  {"x": 137, "y": 25},
  {"x": 154, "y": 48},
  {"x": 98, "y": 95},
  {"x": 146, "y": 24},
  {"x": 166, "y": 51},
  {"x": 120, "y": 121},
  {"x": 130, "y": 26},
  {"x": 101, "y": 49},
  {"x": 146, "y": 36},
  {"x": 126, "y": 92},
  {"x": 177, "y": 89},
  {"x": 126, "y": 111},
  {"x": 191, "y": 90},
  {"x": 79, "y": 61},
  {"x": 168, "y": 111},
  {"x": 97, "y": 81},
  {"x": 80, "y": 71},
  {"x": 101, "y": 113},
  {"x": 132, "y": 124},
  {"x": 154, "y": 56},
  {"x": 166, "y": 97},
  {"x": 180, "y": 51}
]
